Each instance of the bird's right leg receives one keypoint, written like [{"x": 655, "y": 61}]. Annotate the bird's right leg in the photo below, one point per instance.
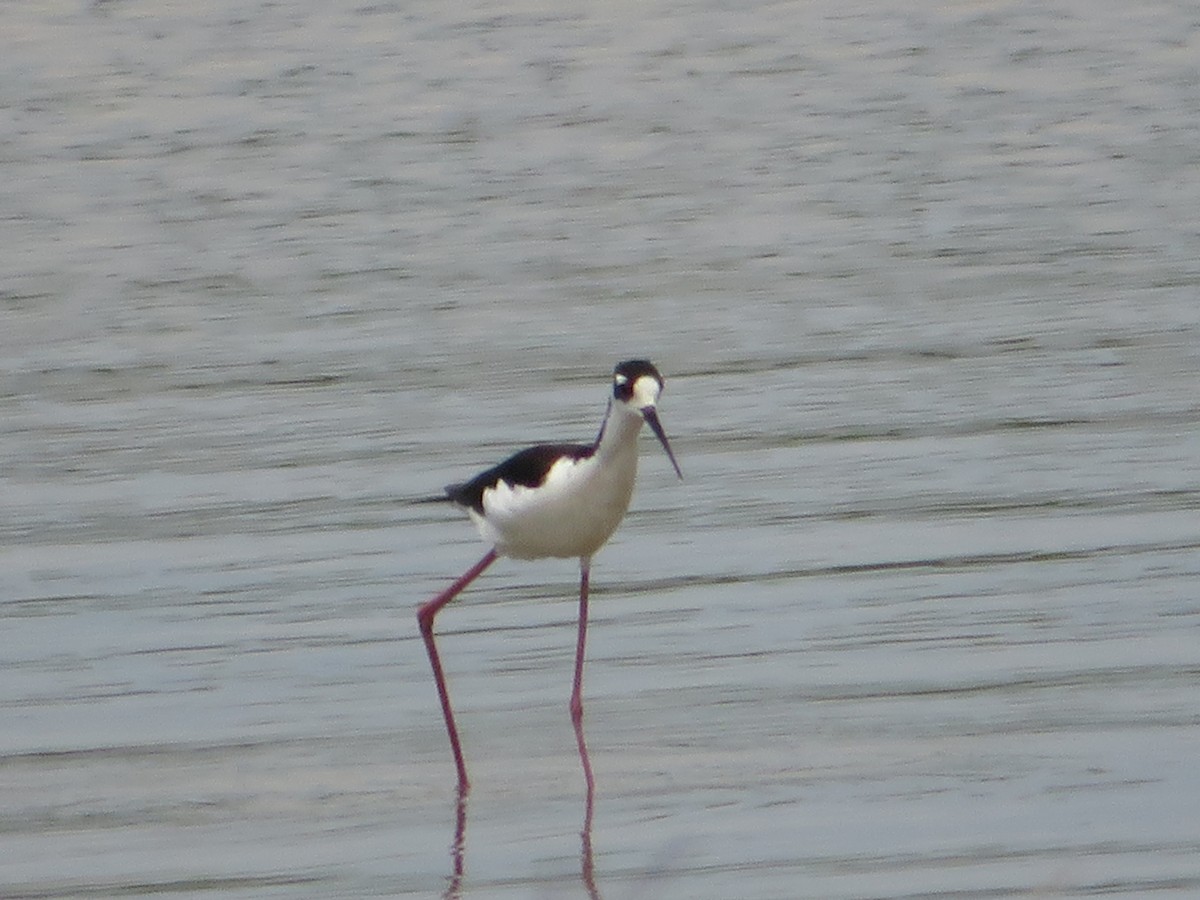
[{"x": 425, "y": 616}]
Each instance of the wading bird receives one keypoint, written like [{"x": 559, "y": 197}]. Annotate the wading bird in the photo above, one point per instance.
[{"x": 555, "y": 500}]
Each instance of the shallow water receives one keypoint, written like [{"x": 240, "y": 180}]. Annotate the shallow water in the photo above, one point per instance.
[{"x": 922, "y": 620}]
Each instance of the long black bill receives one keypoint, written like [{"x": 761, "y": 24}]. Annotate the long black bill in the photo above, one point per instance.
[{"x": 650, "y": 414}]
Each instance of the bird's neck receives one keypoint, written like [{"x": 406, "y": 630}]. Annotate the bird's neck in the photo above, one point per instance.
[{"x": 618, "y": 432}]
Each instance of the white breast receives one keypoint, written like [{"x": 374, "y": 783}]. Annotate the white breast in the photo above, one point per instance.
[{"x": 572, "y": 513}]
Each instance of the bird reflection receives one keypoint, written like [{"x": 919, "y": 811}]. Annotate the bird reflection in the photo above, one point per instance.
[
  {"x": 458, "y": 847},
  {"x": 586, "y": 867},
  {"x": 587, "y": 870}
]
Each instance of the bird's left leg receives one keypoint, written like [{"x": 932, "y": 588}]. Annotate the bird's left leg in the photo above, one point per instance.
[{"x": 585, "y": 564}]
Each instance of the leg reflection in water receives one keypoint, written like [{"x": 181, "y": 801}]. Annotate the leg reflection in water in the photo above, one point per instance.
[
  {"x": 587, "y": 871},
  {"x": 458, "y": 847},
  {"x": 586, "y": 866}
]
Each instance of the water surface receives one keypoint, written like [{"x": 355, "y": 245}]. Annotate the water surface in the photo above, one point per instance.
[{"x": 921, "y": 621}]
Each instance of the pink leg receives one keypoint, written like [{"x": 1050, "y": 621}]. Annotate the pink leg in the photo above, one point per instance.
[
  {"x": 425, "y": 619},
  {"x": 577, "y": 691}
]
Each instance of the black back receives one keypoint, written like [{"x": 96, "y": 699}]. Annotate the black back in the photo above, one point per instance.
[{"x": 528, "y": 468}]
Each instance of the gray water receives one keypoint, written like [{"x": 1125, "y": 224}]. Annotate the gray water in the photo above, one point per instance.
[{"x": 921, "y": 621}]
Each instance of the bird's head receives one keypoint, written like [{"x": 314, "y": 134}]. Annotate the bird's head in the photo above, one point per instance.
[{"x": 636, "y": 386}]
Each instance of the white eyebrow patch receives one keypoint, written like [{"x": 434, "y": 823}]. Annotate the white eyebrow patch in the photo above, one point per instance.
[
  {"x": 646, "y": 391},
  {"x": 620, "y": 379}
]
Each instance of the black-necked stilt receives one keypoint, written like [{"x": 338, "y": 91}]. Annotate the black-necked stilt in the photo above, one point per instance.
[{"x": 561, "y": 500}]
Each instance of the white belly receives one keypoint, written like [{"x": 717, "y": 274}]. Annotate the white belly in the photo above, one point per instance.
[{"x": 572, "y": 513}]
